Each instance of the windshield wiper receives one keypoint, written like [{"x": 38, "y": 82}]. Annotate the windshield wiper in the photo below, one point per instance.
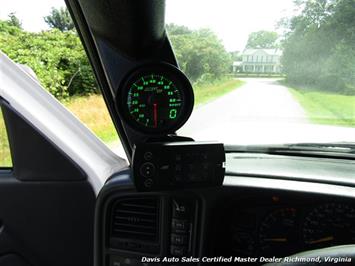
[{"x": 341, "y": 149}]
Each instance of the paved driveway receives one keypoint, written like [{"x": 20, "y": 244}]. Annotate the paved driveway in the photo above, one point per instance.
[{"x": 260, "y": 112}]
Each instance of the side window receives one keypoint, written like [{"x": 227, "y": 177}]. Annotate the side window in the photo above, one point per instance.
[
  {"x": 5, "y": 156},
  {"x": 52, "y": 49}
]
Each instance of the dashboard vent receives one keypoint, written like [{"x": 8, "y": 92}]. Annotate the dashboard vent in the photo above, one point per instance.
[{"x": 136, "y": 219}]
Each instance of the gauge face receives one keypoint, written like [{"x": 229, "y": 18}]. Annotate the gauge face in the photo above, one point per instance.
[
  {"x": 156, "y": 99},
  {"x": 328, "y": 225},
  {"x": 243, "y": 243},
  {"x": 279, "y": 234}
]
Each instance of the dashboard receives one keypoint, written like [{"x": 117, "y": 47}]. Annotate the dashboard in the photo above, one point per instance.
[{"x": 233, "y": 220}]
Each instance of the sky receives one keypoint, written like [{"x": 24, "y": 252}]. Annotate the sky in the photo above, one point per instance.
[
  {"x": 231, "y": 20},
  {"x": 30, "y": 13}
]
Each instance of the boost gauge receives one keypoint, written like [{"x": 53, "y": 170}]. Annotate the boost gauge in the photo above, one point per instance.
[{"x": 156, "y": 99}]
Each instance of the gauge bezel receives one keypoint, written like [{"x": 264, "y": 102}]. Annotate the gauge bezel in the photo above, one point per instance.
[
  {"x": 173, "y": 74},
  {"x": 265, "y": 220},
  {"x": 311, "y": 215}
]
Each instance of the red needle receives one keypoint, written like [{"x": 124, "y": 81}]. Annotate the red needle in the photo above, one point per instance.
[{"x": 155, "y": 113}]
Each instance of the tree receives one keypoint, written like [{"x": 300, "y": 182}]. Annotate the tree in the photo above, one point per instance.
[
  {"x": 60, "y": 19},
  {"x": 262, "y": 39},
  {"x": 319, "y": 47},
  {"x": 236, "y": 56},
  {"x": 57, "y": 58},
  {"x": 174, "y": 29},
  {"x": 14, "y": 21},
  {"x": 201, "y": 55}
]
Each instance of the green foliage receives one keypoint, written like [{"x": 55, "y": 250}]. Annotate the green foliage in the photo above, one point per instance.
[
  {"x": 60, "y": 19},
  {"x": 319, "y": 48},
  {"x": 61, "y": 65},
  {"x": 199, "y": 52},
  {"x": 326, "y": 108},
  {"x": 6, "y": 27},
  {"x": 14, "y": 21},
  {"x": 56, "y": 57},
  {"x": 236, "y": 56},
  {"x": 262, "y": 39},
  {"x": 174, "y": 29}
]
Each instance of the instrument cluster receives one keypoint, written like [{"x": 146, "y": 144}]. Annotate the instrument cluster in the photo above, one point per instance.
[{"x": 282, "y": 230}]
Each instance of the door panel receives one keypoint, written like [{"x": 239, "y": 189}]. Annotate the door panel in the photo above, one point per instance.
[
  {"x": 12, "y": 260},
  {"x": 48, "y": 223},
  {"x": 46, "y": 202}
]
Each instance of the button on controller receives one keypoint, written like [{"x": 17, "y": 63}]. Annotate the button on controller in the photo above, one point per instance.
[
  {"x": 148, "y": 156},
  {"x": 147, "y": 170},
  {"x": 148, "y": 182}
]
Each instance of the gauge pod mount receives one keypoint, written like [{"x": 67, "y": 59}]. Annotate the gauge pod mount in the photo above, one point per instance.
[{"x": 155, "y": 99}]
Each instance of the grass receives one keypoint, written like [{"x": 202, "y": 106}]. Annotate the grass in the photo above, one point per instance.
[
  {"x": 326, "y": 108},
  {"x": 205, "y": 93},
  {"x": 92, "y": 111},
  {"x": 5, "y": 157}
]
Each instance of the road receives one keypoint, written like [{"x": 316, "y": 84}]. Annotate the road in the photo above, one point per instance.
[{"x": 260, "y": 112}]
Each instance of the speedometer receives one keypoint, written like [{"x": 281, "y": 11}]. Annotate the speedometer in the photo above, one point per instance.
[
  {"x": 328, "y": 225},
  {"x": 278, "y": 233},
  {"x": 156, "y": 99}
]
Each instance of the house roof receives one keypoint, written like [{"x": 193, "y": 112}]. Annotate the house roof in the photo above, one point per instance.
[
  {"x": 267, "y": 51},
  {"x": 237, "y": 63}
]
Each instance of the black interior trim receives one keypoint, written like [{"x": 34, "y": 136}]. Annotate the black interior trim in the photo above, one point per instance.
[
  {"x": 34, "y": 156},
  {"x": 135, "y": 28}
]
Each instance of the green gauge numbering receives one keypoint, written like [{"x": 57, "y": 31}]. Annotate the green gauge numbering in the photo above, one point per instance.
[{"x": 154, "y": 101}]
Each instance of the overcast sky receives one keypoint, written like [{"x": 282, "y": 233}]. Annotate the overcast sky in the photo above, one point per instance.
[{"x": 232, "y": 20}]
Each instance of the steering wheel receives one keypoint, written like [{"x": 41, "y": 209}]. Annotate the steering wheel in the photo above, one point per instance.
[{"x": 333, "y": 255}]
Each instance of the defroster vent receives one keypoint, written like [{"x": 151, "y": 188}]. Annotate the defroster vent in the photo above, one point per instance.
[{"x": 136, "y": 219}]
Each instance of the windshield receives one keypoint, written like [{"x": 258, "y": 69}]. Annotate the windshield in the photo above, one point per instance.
[
  {"x": 263, "y": 72},
  {"x": 267, "y": 72}
]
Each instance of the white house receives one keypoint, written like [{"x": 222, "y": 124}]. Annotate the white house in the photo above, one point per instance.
[{"x": 261, "y": 61}]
